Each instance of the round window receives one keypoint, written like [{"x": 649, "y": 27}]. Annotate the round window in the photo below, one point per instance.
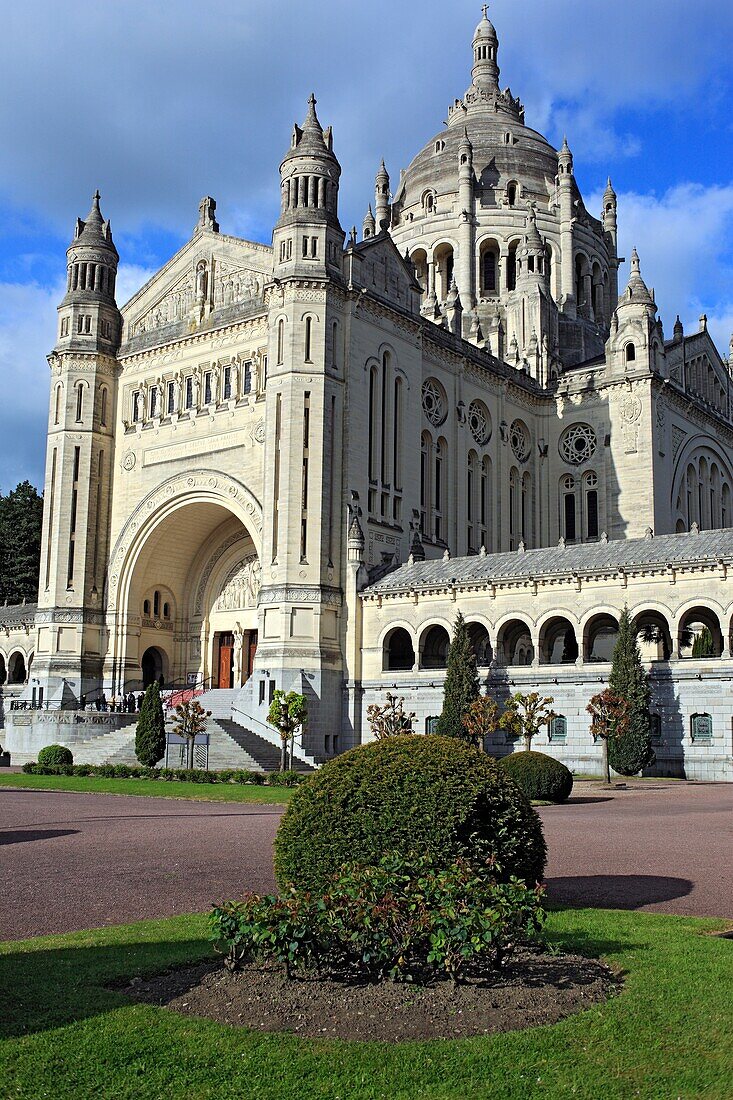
[{"x": 577, "y": 444}]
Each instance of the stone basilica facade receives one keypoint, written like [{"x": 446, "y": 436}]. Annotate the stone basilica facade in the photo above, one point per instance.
[{"x": 291, "y": 465}]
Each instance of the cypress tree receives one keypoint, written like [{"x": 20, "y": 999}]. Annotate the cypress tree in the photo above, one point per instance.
[
  {"x": 703, "y": 646},
  {"x": 21, "y": 520},
  {"x": 628, "y": 754},
  {"x": 461, "y": 684},
  {"x": 150, "y": 732}
]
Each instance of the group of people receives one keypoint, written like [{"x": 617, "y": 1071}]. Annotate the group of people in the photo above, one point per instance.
[{"x": 128, "y": 703}]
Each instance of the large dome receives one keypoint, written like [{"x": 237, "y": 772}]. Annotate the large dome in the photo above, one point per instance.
[{"x": 503, "y": 149}]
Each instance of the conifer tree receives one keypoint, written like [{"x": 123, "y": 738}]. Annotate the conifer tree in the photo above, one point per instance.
[
  {"x": 703, "y": 645},
  {"x": 21, "y": 520},
  {"x": 628, "y": 754},
  {"x": 150, "y": 732},
  {"x": 461, "y": 687}
]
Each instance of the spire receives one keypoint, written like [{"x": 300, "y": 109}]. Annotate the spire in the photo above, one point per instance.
[
  {"x": 565, "y": 159},
  {"x": 609, "y": 194},
  {"x": 679, "y": 330},
  {"x": 485, "y": 71},
  {"x": 311, "y": 119},
  {"x": 94, "y": 230},
  {"x": 381, "y": 198},
  {"x": 369, "y": 224},
  {"x": 637, "y": 290}
]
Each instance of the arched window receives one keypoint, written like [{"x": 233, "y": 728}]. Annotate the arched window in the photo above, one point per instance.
[
  {"x": 513, "y": 519},
  {"x": 308, "y": 338},
  {"x": 511, "y": 267},
  {"x": 489, "y": 271},
  {"x": 334, "y": 344},
  {"x": 373, "y": 421},
  {"x": 471, "y": 517},
  {"x": 485, "y": 514},
  {"x": 630, "y": 353},
  {"x": 511, "y": 194},
  {"x": 166, "y": 611},
  {"x": 79, "y": 401},
  {"x": 426, "y": 449},
  {"x": 525, "y": 509},
  {"x": 156, "y": 603},
  {"x": 567, "y": 492},
  {"x": 280, "y": 340},
  {"x": 57, "y": 406},
  {"x": 103, "y": 407},
  {"x": 146, "y": 608},
  {"x": 439, "y": 486},
  {"x": 590, "y": 485},
  {"x": 398, "y": 655},
  {"x": 397, "y": 435}
]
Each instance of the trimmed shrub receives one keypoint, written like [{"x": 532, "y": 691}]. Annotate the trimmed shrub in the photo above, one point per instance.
[
  {"x": 284, "y": 779},
  {"x": 432, "y": 794},
  {"x": 55, "y": 754},
  {"x": 150, "y": 736},
  {"x": 539, "y": 776}
]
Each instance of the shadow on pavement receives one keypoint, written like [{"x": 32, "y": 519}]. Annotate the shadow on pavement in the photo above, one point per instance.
[
  {"x": 25, "y": 836},
  {"x": 616, "y": 891}
]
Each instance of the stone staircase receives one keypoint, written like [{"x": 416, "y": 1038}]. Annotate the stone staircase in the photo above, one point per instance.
[{"x": 230, "y": 744}]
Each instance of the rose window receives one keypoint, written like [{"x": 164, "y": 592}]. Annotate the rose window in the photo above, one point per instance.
[
  {"x": 578, "y": 444},
  {"x": 519, "y": 440},
  {"x": 434, "y": 401},
  {"x": 478, "y": 422}
]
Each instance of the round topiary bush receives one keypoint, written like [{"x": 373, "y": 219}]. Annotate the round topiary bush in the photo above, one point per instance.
[
  {"x": 55, "y": 754},
  {"x": 539, "y": 776},
  {"x": 428, "y": 795}
]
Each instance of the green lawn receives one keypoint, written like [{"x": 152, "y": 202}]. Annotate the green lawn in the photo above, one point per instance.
[
  {"x": 667, "y": 1036},
  {"x": 201, "y": 792}
]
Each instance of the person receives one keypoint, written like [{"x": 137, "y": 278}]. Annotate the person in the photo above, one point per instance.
[
  {"x": 130, "y": 703},
  {"x": 83, "y": 702},
  {"x": 103, "y": 704},
  {"x": 140, "y": 698},
  {"x": 113, "y": 702}
]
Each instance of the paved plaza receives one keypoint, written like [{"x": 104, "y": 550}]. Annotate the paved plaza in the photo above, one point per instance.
[{"x": 71, "y": 861}]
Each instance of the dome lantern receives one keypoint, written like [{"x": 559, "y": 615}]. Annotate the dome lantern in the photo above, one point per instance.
[{"x": 485, "y": 71}]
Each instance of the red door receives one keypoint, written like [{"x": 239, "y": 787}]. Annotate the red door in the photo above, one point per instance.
[{"x": 226, "y": 660}]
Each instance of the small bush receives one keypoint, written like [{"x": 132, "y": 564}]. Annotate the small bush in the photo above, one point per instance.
[
  {"x": 55, "y": 754},
  {"x": 430, "y": 794},
  {"x": 404, "y": 918},
  {"x": 284, "y": 779},
  {"x": 539, "y": 776}
]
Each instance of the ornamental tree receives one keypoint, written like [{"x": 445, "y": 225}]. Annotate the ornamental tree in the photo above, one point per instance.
[
  {"x": 391, "y": 720},
  {"x": 150, "y": 731},
  {"x": 525, "y": 715},
  {"x": 288, "y": 713},
  {"x": 461, "y": 686},
  {"x": 703, "y": 645},
  {"x": 481, "y": 720},
  {"x": 632, "y": 752},
  {"x": 609, "y": 722},
  {"x": 190, "y": 722}
]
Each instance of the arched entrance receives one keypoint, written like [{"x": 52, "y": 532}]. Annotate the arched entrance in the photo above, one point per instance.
[
  {"x": 189, "y": 583},
  {"x": 153, "y": 666}
]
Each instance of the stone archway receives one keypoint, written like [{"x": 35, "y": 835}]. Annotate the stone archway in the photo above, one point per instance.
[
  {"x": 153, "y": 664},
  {"x": 196, "y": 550}
]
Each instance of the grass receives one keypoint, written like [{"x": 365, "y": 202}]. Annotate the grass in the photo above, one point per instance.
[
  {"x": 158, "y": 788},
  {"x": 668, "y": 1035}
]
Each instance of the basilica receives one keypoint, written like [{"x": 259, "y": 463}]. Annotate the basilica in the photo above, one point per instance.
[{"x": 289, "y": 465}]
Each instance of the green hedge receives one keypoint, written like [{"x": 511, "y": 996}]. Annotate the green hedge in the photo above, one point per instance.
[
  {"x": 432, "y": 795},
  {"x": 540, "y": 776},
  {"x": 166, "y": 775},
  {"x": 55, "y": 754}
]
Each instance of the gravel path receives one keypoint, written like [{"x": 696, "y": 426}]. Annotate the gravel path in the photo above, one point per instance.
[{"x": 70, "y": 861}]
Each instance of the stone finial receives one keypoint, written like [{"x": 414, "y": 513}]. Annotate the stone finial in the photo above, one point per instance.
[
  {"x": 561, "y": 543},
  {"x": 482, "y": 552},
  {"x": 417, "y": 550},
  {"x": 604, "y": 538},
  {"x": 695, "y": 528},
  {"x": 521, "y": 549},
  {"x": 703, "y": 322},
  {"x": 648, "y": 533},
  {"x": 678, "y": 330},
  {"x": 207, "y": 220},
  {"x": 446, "y": 555}
]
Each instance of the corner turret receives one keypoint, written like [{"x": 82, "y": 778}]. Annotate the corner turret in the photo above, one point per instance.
[
  {"x": 381, "y": 199},
  {"x": 88, "y": 316}
]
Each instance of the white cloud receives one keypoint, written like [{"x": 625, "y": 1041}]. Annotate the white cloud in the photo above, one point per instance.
[
  {"x": 685, "y": 242},
  {"x": 27, "y": 335}
]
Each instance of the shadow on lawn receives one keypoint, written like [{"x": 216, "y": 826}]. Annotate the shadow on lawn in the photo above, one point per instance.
[
  {"x": 40, "y": 990},
  {"x": 616, "y": 891}
]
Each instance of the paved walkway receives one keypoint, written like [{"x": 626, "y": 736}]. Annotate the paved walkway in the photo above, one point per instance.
[{"x": 71, "y": 861}]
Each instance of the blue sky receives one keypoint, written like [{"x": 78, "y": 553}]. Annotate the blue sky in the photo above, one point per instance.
[{"x": 159, "y": 104}]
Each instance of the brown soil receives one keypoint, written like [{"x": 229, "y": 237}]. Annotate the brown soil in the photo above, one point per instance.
[{"x": 534, "y": 990}]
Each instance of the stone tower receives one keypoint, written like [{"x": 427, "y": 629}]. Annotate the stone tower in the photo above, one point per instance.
[
  {"x": 301, "y": 568},
  {"x": 78, "y": 465}
]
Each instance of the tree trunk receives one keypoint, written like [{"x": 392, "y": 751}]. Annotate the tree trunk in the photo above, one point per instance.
[
  {"x": 189, "y": 752},
  {"x": 606, "y": 769},
  {"x": 527, "y": 742},
  {"x": 283, "y": 754}
]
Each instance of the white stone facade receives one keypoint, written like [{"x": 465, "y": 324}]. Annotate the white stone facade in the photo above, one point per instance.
[{"x": 264, "y": 431}]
